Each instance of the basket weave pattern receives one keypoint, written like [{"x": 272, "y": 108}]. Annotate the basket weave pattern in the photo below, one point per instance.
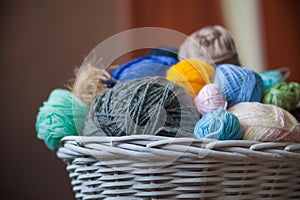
[{"x": 154, "y": 167}]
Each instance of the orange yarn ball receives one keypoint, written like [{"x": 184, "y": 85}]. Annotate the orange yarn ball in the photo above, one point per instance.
[{"x": 192, "y": 75}]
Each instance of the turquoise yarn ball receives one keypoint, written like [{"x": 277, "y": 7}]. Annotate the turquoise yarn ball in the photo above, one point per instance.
[
  {"x": 273, "y": 77},
  {"x": 219, "y": 124},
  {"x": 61, "y": 115}
]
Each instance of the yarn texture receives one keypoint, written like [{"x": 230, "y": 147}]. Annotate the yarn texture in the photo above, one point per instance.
[
  {"x": 238, "y": 84},
  {"x": 192, "y": 75},
  {"x": 273, "y": 77},
  {"x": 219, "y": 124},
  {"x": 209, "y": 99},
  {"x": 146, "y": 106},
  {"x": 283, "y": 95},
  {"x": 61, "y": 115},
  {"x": 211, "y": 44},
  {"x": 149, "y": 65},
  {"x": 89, "y": 82},
  {"x": 266, "y": 123}
]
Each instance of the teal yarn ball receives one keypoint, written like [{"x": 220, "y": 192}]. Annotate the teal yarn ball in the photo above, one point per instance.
[
  {"x": 63, "y": 114},
  {"x": 273, "y": 77},
  {"x": 219, "y": 124}
]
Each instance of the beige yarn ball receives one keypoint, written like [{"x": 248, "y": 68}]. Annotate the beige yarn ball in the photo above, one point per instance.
[
  {"x": 89, "y": 83},
  {"x": 266, "y": 123}
]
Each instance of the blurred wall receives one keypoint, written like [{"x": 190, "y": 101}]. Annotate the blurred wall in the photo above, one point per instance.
[
  {"x": 43, "y": 41},
  {"x": 182, "y": 16},
  {"x": 282, "y": 35}
]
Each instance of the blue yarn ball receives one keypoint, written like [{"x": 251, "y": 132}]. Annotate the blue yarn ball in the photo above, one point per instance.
[
  {"x": 219, "y": 124},
  {"x": 149, "y": 65},
  {"x": 238, "y": 84}
]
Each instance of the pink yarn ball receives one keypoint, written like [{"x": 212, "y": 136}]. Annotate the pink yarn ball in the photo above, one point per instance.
[{"x": 209, "y": 99}]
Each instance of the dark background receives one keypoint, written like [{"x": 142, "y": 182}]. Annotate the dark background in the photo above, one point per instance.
[{"x": 43, "y": 41}]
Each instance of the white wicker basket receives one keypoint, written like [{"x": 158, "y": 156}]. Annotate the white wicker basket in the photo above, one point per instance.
[{"x": 154, "y": 167}]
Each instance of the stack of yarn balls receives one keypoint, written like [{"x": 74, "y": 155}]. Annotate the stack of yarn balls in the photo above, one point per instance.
[{"x": 199, "y": 90}]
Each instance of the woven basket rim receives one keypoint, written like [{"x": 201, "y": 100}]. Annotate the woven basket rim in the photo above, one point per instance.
[{"x": 141, "y": 147}]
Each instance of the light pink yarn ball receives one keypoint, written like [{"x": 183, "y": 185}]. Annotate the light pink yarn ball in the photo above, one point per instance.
[{"x": 209, "y": 99}]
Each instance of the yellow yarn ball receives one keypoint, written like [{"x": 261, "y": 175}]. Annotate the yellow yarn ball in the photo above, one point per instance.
[{"x": 192, "y": 75}]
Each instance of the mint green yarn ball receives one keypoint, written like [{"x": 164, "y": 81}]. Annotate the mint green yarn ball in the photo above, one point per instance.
[
  {"x": 284, "y": 95},
  {"x": 63, "y": 114}
]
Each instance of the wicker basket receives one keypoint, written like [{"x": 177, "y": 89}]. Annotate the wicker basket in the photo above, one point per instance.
[{"x": 154, "y": 167}]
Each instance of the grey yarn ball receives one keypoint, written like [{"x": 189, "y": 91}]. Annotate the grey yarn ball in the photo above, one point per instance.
[{"x": 146, "y": 106}]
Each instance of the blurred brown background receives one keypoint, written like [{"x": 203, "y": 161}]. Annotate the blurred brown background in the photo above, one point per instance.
[{"x": 43, "y": 41}]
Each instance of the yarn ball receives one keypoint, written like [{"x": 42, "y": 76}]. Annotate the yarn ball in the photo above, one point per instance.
[
  {"x": 149, "y": 65},
  {"x": 61, "y": 115},
  {"x": 266, "y": 123},
  {"x": 209, "y": 99},
  {"x": 283, "y": 95},
  {"x": 164, "y": 50},
  {"x": 211, "y": 44},
  {"x": 192, "y": 75},
  {"x": 146, "y": 106},
  {"x": 89, "y": 82},
  {"x": 238, "y": 84},
  {"x": 219, "y": 124},
  {"x": 273, "y": 77},
  {"x": 296, "y": 113}
]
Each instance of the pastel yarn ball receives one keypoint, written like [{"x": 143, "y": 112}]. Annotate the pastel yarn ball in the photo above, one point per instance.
[
  {"x": 209, "y": 99},
  {"x": 219, "y": 124},
  {"x": 192, "y": 75},
  {"x": 266, "y": 123},
  {"x": 284, "y": 95},
  {"x": 238, "y": 84},
  {"x": 63, "y": 114}
]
